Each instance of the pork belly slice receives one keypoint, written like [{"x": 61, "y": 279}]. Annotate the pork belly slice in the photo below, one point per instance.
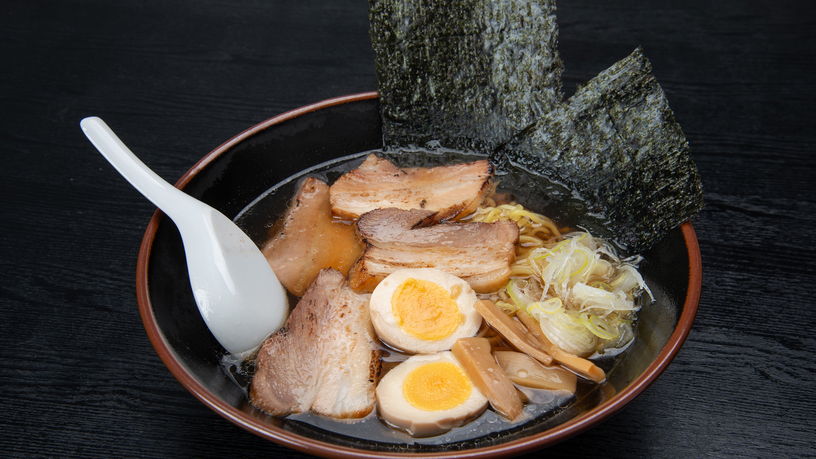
[
  {"x": 479, "y": 253},
  {"x": 323, "y": 359},
  {"x": 310, "y": 239},
  {"x": 453, "y": 191}
]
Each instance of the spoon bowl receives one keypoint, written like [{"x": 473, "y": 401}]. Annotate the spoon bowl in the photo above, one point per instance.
[{"x": 236, "y": 291}]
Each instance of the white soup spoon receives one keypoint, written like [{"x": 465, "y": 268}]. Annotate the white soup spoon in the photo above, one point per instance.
[{"x": 237, "y": 293}]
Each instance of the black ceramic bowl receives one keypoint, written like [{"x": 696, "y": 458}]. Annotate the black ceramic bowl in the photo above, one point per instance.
[{"x": 236, "y": 173}]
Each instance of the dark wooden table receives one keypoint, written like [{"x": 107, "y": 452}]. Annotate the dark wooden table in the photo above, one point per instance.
[{"x": 79, "y": 377}]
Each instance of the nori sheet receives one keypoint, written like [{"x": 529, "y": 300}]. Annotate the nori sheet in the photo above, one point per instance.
[
  {"x": 476, "y": 75},
  {"x": 617, "y": 144},
  {"x": 464, "y": 74}
]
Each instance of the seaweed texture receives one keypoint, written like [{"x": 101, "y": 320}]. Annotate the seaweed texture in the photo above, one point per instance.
[
  {"x": 465, "y": 74},
  {"x": 474, "y": 75},
  {"x": 617, "y": 144}
]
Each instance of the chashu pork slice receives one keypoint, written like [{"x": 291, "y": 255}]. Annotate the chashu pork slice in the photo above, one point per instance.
[
  {"x": 452, "y": 191},
  {"x": 310, "y": 239},
  {"x": 479, "y": 253},
  {"x": 323, "y": 359}
]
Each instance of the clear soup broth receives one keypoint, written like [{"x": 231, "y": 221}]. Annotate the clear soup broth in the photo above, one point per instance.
[{"x": 536, "y": 193}]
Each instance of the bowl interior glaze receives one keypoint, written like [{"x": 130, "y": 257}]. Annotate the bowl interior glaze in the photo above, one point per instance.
[{"x": 236, "y": 173}]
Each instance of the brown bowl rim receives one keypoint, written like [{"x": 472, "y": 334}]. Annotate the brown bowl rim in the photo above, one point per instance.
[{"x": 316, "y": 447}]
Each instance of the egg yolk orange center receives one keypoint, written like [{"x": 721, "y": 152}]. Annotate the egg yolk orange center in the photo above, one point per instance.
[
  {"x": 436, "y": 386},
  {"x": 425, "y": 310}
]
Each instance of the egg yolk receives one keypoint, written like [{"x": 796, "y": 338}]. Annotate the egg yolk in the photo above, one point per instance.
[
  {"x": 436, "y": 386},
  {"x": 425, "y": 310}
]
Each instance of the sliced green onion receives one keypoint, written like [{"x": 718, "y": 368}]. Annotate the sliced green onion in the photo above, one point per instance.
[
  {"x": 514, "y": 289},
  {"x": 568, "y": 333},
  {"x": 554, "y": 249},
  {"x": 602, "y": 285},
  {"x": 599, "y": 327},
  {"x": 549, "y": 306},
  {"x": 583, "y": 266}
]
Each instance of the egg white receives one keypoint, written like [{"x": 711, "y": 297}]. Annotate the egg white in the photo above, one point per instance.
[
  {"x": 389, "y": 330},
  {"x": 394, "y": 409}
]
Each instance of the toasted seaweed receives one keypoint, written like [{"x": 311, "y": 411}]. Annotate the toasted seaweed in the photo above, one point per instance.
[
  {"x": 476, "y": 75},
  {"x": 464, "y": 74},
  {"x": 617, "y": 144}
]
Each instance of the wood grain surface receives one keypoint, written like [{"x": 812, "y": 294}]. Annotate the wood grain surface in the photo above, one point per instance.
[{"x": 79, "y": 378}]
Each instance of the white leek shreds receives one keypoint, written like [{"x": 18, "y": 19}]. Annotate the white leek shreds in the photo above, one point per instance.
[
  {"x": 515, "y": 288},
  {"x": 599, "y": 327},
  {"x": 629, "y": 280},
  {"x": 577, "y": 288},
  {"x": 567, "y": 332},
  {"x": 569, "y": 262},
  {"x": 578, "y": 271},
  {"x": 545, "y": 307},
  {"x": 594, "y": 290},
  {"x": 625, "y": 335},
  {"x": 599, "y": 301}
]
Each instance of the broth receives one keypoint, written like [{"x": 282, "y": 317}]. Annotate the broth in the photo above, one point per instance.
[{"x": 260, "y": 220}]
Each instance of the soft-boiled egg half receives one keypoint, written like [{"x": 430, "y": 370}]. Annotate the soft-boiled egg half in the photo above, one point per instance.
[
  {"x": 423, "y": 310},
  {"x": 428, "y": 395}
]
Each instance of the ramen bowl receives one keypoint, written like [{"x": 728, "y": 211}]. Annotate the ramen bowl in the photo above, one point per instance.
[{"x": 237, "y": 173}]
